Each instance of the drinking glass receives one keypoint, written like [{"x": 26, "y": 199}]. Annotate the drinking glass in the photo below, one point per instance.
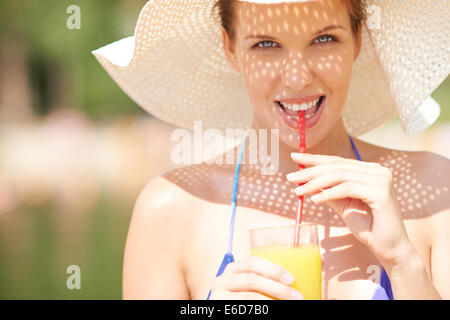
[{"x": 277, "y": 244}]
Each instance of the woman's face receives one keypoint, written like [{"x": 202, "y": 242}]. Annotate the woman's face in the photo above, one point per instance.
[{"x": 298, "y": 51}]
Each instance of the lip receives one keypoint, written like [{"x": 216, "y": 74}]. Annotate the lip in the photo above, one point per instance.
[
  {"x": 300, "y": 99},
  {"x": 309, "y": 123}
]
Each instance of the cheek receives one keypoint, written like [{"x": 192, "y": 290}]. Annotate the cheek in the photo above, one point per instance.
[
  {"x": 260, "y": 76},
  {"x": 334, "y": 70}
]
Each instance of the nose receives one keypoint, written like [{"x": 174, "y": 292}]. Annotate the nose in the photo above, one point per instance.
[{"x": 296, "y": 72}]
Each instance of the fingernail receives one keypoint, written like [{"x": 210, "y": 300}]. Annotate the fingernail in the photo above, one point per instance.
[
  {"x": 291, "y": 176},
  {"x": 315, "y": 197},
  {"x": 300, "y": 190},
  {"x": 288, "y": 278},
  {"x": 295, "y": 155},
  {"x": 296, "y": 294}
]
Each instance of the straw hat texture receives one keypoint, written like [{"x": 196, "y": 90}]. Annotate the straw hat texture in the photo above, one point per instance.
[{"x": 175, "y": 68}]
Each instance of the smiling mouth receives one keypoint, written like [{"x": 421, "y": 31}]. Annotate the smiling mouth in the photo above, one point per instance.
[{"x": 309, "y": 113}]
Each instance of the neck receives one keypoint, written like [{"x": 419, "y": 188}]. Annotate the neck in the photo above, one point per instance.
[{"x": 336, "y": 143}]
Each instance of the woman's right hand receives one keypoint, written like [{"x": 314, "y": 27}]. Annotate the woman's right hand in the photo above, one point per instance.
[{"x": 254, "y": 278}]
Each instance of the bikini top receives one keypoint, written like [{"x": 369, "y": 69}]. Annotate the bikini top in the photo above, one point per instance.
[{"x": 383, "y": 290}]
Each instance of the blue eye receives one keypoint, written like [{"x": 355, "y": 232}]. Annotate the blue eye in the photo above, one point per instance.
[
  {"x": 257, "y": 46},
  {"x": 321, "y": 40},
  {"x": 325, "y": 39}
]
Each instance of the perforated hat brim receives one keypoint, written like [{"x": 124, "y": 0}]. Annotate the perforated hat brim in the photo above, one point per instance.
[{"x": 175, "y": 68}]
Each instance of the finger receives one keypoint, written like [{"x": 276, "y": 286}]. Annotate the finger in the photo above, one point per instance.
[
  {"x": 331, "y": 179},
  {"x": 353, "y": 190},
  {"x": 254, "y": 282},
  {"x": 262, "y": 267},
  {"x": 252, "y": 296},
  {"x": 309, "y": 173},
  {"x": 229, "y": 295},
  {"x": 316, "y": 159}
]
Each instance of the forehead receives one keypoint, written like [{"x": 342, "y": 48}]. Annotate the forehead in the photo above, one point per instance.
[{"x": 279, "y": 18}]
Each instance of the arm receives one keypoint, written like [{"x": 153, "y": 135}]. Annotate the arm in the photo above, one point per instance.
[
  {"x": 409, "y": 277},
  {"x": 363, "y": 195},
  {"x": 152, "y": 268},
  {"x": 440, "y": 254}
]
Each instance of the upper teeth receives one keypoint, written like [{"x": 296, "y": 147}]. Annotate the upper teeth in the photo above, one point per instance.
[{"x": 303, "y": 106}]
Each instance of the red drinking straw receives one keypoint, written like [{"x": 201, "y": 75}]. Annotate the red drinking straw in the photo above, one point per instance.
[{"x": 301, "y": 149}]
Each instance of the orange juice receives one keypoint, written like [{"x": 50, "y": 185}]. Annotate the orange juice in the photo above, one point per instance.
[{"x": 303, "y": 262}]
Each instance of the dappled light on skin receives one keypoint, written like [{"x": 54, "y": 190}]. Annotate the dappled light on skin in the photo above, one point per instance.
[
  {"x": 256, "y": 188},
  {"x": 290, "y": 61},
  {"x": 274, "y": 194}
]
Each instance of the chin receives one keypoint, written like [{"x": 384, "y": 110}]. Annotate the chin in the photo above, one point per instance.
[{"x": 313, "y": 136}]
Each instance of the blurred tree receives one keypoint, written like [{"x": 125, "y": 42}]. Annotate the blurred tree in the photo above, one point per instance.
[{"x": 62, "y": 70}]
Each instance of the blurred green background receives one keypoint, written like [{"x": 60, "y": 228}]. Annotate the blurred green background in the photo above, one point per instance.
[
  {"x": 57, "y": 104},
  {"x": 58, "y": 56},
  {"x": 61, "y": 74}
]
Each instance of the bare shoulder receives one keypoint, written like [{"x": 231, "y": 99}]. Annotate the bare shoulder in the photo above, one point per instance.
[
  {"x": 433, "y": 171},
  {"x": 435, "y": 174},
  {"x": 203, "y": 182},
  {"x": 421, "y": 182},
  {"x": 153, "y": 260},
  {"x": 435, "y": 165},
  {"x": 164, "y": 200},
  {"x": 174, "y": 198},
  {"x": 428, "y": 177},
  {"x": 421, "y": 179},
  {"x": 163, "y": 194}
]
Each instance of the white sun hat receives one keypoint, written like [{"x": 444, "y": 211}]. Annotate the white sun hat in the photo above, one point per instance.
[{"x": 175, "y": 68}]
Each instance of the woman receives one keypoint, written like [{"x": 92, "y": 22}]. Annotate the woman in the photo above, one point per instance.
[{"x": 388, "y": 213}]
